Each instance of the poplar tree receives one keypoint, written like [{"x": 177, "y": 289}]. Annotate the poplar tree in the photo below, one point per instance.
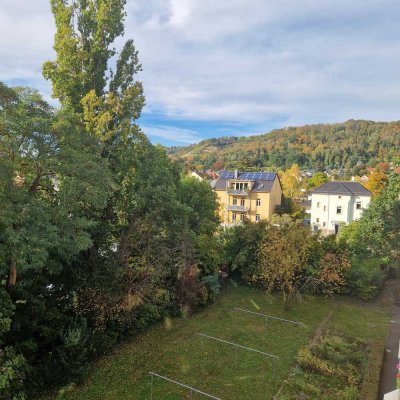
[{"x": 108, "y": 99}]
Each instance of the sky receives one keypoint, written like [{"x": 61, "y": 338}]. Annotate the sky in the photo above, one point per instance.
[{"x": 216, "y": 68}]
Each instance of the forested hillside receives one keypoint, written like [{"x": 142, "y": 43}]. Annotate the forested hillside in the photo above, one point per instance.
[{"x": 338, "y": 146}]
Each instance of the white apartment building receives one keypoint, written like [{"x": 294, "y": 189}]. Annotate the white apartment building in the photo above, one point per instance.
[{"x": 336, "y": 203}]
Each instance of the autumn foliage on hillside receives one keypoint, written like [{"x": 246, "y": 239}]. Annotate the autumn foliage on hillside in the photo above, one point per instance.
[{"x": 336, "y": 146}]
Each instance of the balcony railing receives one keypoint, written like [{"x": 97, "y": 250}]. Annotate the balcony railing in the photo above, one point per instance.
[
  {"x": 231, "y": 207},
  {"x": 238, "y": 192}
]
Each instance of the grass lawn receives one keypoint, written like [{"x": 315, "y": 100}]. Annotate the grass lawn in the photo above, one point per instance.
[{"x": 174, "y": 349}]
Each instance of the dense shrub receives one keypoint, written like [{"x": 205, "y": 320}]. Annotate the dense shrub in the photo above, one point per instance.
[
  {"x": 366, "y": 276},
  {"x": 213, "y": 286},
  {"x": 13, "y": 370},
  {"x": 284, "y": 255}
]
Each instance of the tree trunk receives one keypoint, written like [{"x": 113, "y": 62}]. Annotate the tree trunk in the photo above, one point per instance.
[{"x": 12, "y": 278}]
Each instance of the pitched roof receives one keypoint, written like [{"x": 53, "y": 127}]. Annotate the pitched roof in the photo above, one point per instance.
[
  {"x": 338, "y": 187},
  {"x": 263, "y": 181}
]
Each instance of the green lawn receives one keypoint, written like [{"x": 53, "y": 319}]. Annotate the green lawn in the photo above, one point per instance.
[{"x": 175, "y": 350}]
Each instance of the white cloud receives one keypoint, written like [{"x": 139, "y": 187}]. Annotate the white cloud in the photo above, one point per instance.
[
  {"x": 171, "y": 133},
  {"x": 240, "y": 61}
]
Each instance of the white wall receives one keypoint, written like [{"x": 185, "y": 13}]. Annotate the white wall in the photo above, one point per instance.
[
  {"x": 195, "y": 175},
  {"x": 324, "y": 210}
]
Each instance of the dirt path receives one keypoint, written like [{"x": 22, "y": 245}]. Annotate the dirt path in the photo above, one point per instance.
[
  {"x": 322, "y": 327},
  {"x": 391, "y": 294}
]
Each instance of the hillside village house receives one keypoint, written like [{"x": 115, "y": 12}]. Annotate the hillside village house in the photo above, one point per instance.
[
  {"x": 336, "y": 203},
  {"x": 204, "y": 176},
  {"x": 200, "y": 176},
  {"x": 247, "y": 195}
]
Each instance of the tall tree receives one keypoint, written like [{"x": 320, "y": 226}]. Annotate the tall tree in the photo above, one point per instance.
[
  {"x": 109, "y": 99},
  {"x": 376, "y": 182},
  {"x": 291, "y": 181},
  {"x": 317, "y": 179}
]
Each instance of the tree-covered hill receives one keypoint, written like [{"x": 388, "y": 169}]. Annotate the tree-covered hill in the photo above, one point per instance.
[{"x": 339, "y": 146}]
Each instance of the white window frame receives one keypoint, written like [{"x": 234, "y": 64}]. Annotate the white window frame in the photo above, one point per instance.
[
  {"x": 339, "y": 210},
  {"x": 234, "y": 217},
  {"x": 258, "y": 202},
  {"x": 358, "y": 205},
  {"x": 242, "y": 217},
  {"x": 258, "y": 217}
]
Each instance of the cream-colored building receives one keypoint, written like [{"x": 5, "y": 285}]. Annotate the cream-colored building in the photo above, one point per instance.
[
  {"x": 336, "y": 203},
  {"x": 247, "y": 195},
  {"x": 200, "y": 176}
]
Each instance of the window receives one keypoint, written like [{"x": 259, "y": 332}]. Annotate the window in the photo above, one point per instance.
[
  {"x": 234, "y": 217},
  {"x": 338, "y": 209},
  {"x": 258, "y": 202},
  {"x": 358, "y": 205},
  {"x": 257, "y": 217},
  {"x": 324, "y": 224},
  {"x": 242, "y": 202},
  {"x": 241, "y": 217},
  {"x": 234, "y": 202},
  {"x": 318, "y": 204},
  {"x": 324, "y": 208},
  {"x": 241, "y": 185},
  {"x": 317, "y": 219}
]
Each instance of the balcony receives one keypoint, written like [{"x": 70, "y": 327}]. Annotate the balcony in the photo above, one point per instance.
[
  {"x": 231, "y": 207},
  {"x": 235, "y": 192}
]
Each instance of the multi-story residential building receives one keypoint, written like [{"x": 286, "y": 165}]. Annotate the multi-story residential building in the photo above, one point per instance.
[
  {"x": 247, "y": 195},
  {"x": 336, "y": 203}
]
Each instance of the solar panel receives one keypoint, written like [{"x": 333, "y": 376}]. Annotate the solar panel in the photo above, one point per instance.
[
  {"x": 227, "y": 175},
  {"x": 253, "y": 176}
]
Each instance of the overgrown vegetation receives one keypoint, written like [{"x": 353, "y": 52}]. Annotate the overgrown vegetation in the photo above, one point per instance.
[
  {"x": 331, "y": 368},
  {"x": 285, "y": 256},
  {"x": 366, "y": 276}
]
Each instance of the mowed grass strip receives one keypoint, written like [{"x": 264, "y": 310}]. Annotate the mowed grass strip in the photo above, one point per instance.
[{"x": 174, "y": 349}]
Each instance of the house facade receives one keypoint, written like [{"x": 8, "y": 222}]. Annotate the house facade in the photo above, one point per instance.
[
  {"x": 247, "y": 195},
  {"x": 336, "y": 203}
]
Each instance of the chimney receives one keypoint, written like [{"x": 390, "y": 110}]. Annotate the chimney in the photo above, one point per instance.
[{"x": 236, "y": 173}]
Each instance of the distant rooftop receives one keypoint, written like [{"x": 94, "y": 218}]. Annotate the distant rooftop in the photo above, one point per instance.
[{"x": 338, "y": 187}]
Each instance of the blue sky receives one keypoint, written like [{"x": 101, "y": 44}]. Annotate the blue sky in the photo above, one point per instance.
[{"x": 216, "y": 68}]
